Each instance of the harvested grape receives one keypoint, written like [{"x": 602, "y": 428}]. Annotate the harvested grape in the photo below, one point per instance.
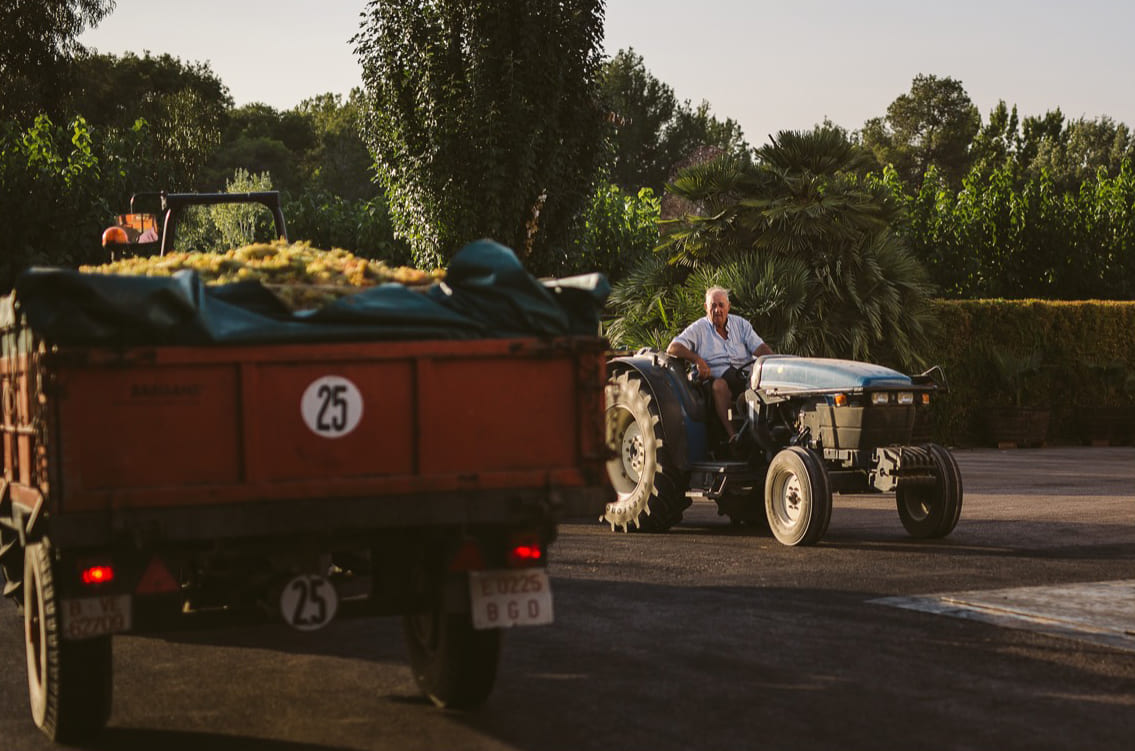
[{"x": 300, "y": 275}]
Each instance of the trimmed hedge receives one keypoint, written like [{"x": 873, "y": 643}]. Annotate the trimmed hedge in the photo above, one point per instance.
[{"x": 1064, "y": 356}]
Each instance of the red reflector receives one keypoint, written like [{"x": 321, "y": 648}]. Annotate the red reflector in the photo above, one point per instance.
[
  {"x": 468, "y": 558},
  {"x": 97, "y": 575},
  {"x": 156, "y": 579}
]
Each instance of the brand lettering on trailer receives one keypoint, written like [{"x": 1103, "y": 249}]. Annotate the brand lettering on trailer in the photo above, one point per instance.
[{"x": 165, "y": 390}]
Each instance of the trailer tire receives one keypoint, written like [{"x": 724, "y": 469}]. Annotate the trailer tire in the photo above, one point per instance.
[
  {"x": 454, "y": 665},
  {"x": 931, "y": 511},
  {"x": 650, "y": 494},
  {"x": 798, "y": 497},
  {"x": 69, "y": 682}
]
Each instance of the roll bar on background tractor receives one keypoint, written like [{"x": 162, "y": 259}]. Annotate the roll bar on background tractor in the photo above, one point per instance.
[{"x": 173, "y": 206}]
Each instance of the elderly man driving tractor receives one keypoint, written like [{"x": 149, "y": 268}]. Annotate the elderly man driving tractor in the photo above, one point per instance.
[{"x": 722, "y": 346}]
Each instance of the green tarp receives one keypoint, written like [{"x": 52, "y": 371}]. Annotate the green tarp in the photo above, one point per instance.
[{"x": 486, "y": 294}]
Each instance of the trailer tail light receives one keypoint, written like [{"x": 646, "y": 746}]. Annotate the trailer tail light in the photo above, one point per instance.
[
  {"x": 98, "y": 574},
  {"x": 526, "y": 551}
]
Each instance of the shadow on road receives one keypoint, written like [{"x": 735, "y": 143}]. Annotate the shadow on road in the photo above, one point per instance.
[{"x": 138, "y": 739}]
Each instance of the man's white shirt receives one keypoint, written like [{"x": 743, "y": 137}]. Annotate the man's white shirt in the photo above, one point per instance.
[{"x": 719, "y": 353}]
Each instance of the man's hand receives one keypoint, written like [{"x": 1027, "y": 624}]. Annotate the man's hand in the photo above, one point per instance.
[{"x": 683, "y": 352}]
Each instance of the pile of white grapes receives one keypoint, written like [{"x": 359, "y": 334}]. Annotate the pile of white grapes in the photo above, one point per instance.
[{"x": 301, "y": 276}]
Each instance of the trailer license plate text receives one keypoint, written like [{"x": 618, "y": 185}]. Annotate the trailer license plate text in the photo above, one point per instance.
[
  {"x": 510, "y": 598},
  {"x": 88, "y": 617}
]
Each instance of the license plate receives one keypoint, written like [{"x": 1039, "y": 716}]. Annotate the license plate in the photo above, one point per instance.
[
  {"x": 96, "y": 616},
  {"x": 521, "y": 597}
]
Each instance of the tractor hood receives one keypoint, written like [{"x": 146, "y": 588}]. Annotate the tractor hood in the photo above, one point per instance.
[{"x": 790, "y": 373}]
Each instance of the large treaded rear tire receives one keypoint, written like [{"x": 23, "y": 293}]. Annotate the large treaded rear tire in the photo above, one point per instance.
[
  {"x": 650, "y": 494},
  {"x": 798, "y": 497},
  {"x": 69, "y": 682},
  {"x": 931, "y": 511}
]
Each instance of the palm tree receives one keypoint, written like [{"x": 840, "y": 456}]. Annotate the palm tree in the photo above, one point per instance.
[{"x": 803, "y": 239}]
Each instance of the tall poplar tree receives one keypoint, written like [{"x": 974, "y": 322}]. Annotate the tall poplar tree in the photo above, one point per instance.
[{"x": 483, "y": 119}]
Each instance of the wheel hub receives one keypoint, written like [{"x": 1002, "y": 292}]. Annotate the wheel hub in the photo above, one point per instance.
[
  {"x": 633, "y": 452},
  {"x": 791, "y": 496}
]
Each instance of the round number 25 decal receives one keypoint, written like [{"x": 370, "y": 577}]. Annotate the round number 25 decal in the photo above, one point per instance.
[{"x": 332, "y": 406}]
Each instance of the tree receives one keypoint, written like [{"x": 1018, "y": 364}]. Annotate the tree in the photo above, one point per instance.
[
  {"x": 338, "y": 161},
  {"x": 183, "y": 104},
  {"x": 640, "y": 107},
  {"x": 807, "y": 246},
  {"x": 239, "y": 224},
  {"x": 258, "y": 138},
  {"x": 483, "y": 119},
  {"x": 652, "y": 132},
  {"x": 37, "y": 41},
  {"x": 998, "y": 141},
  {"x": 1083, "y": 147},
  {"x": 615, "y": 231},
  {"x": 933, "y": 124}
]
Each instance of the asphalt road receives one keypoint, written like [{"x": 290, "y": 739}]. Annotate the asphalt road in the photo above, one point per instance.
[{"x": 1016, "y": 632}]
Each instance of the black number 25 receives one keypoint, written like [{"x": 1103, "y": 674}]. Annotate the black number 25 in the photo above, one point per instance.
[
  {"x": 309, "y": 596},
  {"x": 333, "y": 408}
]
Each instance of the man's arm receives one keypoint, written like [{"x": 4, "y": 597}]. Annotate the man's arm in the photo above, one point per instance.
[
  {"x": 764, "y": 349},
  {"x": 682, "y": 352}
]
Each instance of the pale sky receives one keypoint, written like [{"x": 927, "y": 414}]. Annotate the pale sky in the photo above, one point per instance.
[{"x": 770, "y": 66}]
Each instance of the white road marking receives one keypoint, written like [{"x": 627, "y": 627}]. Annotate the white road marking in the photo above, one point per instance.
[{"x": 1096, "y": 612}]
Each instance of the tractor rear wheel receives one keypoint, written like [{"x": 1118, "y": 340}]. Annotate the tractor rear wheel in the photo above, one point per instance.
[
  {"x": 650, "y": 493},
  {"x": 929, "y": 511},
  {"x": 798, "y": 497}
]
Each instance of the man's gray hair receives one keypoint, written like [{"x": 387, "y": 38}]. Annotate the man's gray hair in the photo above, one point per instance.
[{"x": 709, "y": 293}]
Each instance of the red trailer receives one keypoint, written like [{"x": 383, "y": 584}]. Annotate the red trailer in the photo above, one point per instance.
[{"x": 152, "y": 488}]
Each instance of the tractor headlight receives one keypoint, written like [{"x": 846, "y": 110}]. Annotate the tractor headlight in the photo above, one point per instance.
[
  {"x": 905, "y": 397},
  {"x": 880, "y": 397}
]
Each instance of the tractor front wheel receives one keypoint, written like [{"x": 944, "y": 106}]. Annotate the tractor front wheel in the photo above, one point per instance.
[
  {"x": 798, "y": 498},
  {"x": 929, "y": 511}
]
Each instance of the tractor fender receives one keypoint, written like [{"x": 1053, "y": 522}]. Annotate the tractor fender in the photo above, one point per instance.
[{"x": 682, "y": 413}]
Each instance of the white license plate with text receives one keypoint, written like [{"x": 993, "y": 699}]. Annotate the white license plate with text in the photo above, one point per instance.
[
  {"x": 89, "y": 617},
  {"x": 520, "y": 597}
]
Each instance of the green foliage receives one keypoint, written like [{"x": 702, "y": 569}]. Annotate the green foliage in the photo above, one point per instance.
[
  {"x": 183, "y": 104},
  {"x": 483, "y": 120},
  {"x": 652, "y": 133},
  {"x": 932, "y": 125},
  {"x": 1000, "y": 237},
  {"x": 55, "y": 171},
  {"x": 614, "y": 231},
  {"x": 240, "y": 224},
  {"x": 804, "y": 243},
  {"x": 37, "y": 42},
  {"x": 1052, "y": 354},
  {"x": 364, "y": 227},
  {"x": 338, "y": 161}
]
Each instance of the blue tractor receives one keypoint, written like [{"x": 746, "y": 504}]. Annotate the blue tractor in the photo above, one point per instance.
[{"x": 809, "y": 427}]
